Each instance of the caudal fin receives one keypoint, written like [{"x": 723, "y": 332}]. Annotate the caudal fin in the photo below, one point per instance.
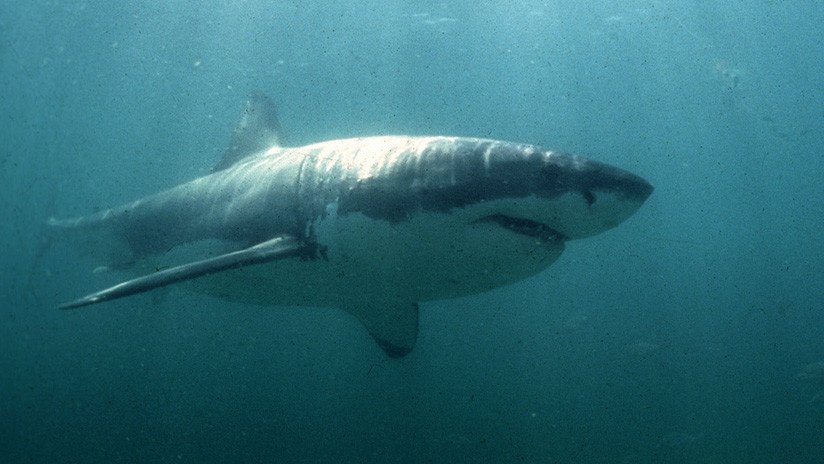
[{"x": 95, "y": 236}]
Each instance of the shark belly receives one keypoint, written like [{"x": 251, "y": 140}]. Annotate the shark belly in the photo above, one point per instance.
[{"x": 425, "y": 257}]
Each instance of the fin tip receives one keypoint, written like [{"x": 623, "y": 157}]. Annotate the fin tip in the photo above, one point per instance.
[{"x": 392, "y": 350}]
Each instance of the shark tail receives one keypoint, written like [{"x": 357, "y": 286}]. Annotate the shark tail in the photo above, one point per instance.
[{"x": 97, "y": 236}]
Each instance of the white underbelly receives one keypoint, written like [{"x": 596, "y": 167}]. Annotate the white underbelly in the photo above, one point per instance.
[{"x": 426, "y": 257}]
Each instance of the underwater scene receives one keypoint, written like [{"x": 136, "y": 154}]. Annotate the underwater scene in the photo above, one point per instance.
[{"x": 412, "y": 232}]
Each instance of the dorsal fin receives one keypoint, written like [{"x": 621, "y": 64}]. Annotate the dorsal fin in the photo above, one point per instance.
[{"x": 258, "y": 129}]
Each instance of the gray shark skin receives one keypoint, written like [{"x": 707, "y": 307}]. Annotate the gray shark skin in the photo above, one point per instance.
[{"x": 370, "y": 225}]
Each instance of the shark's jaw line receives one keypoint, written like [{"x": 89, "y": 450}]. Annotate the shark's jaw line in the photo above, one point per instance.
[{"x": 526, "y": 227}]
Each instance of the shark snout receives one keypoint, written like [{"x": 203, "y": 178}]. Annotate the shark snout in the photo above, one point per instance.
[
  {"x": 588, "y": 177},
  {"x": 594, "y": 196},
  {"x": 635, "y": 187}
]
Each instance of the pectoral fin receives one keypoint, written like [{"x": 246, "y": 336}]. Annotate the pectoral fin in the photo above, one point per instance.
[
  {"x": 393, "y": 325},
  {"x": 271, "y": 250}
]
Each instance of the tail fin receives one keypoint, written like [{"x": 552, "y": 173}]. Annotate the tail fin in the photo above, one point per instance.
[{"x": 95, "y": 236}]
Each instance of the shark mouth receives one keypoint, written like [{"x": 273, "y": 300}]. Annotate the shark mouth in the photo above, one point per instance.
[{"x": 527, "y": 227}]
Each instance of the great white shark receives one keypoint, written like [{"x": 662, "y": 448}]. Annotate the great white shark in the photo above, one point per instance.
[{"x": 372, "y": 225}]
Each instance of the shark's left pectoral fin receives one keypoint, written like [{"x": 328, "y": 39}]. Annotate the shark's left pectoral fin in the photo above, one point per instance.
[
  {"x": 277, "y": 248},
  {"x": 393, "y": 325}
]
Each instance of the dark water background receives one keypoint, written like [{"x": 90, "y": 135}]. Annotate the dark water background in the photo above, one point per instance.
[{"x": 682, "y": 336}]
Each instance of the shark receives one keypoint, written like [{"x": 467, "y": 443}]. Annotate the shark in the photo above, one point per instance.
[{"x": 371, "y": 225}]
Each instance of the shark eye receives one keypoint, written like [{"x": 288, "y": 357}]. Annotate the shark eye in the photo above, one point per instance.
[{"x": 589, "y": 197}]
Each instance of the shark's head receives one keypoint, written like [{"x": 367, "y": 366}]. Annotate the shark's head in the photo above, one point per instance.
[
  {"x": 486, "y": 211},
  {"x": 530, "y": 190},
  {"x": 524, "y": 188}
]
